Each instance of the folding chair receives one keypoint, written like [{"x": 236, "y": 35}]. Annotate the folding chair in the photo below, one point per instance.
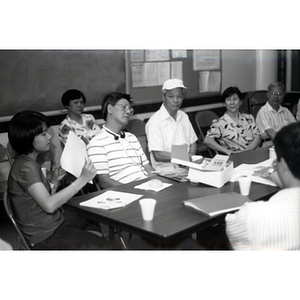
[
  {"x": 204, "y": 120},
  {"x": 22, "y": 242}
]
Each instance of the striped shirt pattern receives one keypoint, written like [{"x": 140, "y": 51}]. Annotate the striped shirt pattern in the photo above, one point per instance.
[
  {"x": 268, "y": 118},
  {"x": 267, "y": 225},
  {"x": 123, "y": 159}
]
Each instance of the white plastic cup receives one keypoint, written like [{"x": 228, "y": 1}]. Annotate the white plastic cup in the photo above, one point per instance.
[
  {"x": 147, "y": 207},
  {"x": 245, "y": 185},
  {"x": 272, "y": 153}
]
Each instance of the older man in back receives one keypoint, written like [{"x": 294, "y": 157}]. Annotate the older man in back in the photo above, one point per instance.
[
  {"x": 169, "y": 126},
  {"x": 272, "y": 116}
]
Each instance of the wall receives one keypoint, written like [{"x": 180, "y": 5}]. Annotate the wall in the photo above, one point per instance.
[{"x": 248, "y": 69}]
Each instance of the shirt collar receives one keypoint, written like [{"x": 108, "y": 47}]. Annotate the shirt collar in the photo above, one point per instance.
[
  {"x": 270, "y": 108},
  {"x": 165, "y": 114}
]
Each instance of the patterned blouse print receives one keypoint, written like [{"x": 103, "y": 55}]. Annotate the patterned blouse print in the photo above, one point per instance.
[
  {"x": 86, "y": 131},
  {"x": 233, "y": 136}
]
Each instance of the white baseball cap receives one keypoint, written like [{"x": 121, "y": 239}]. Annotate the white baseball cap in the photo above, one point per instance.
[{"x": 174, "y": 83}]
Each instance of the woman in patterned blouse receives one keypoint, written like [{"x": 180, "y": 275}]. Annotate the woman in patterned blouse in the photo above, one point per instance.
[
  {"x": 234, "y": 132},
  {"x": 83, "y": 125}
]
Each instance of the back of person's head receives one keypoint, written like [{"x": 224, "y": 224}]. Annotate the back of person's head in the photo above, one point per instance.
[
  {"x": 71, "y": 95},
  {"x": 113, "y": 98},
  {"x": 287, "y": 146},
  {"x": 230, "y": 91},
  {"x": 278, "y": 84},
  {"x": 23, "y": 128}
]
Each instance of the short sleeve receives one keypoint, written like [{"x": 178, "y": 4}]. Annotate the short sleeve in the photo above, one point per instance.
[{"x": 29, "y": 174}]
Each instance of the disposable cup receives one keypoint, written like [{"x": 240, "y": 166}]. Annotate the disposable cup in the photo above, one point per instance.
[
  {"x": 147, "y": 207},
  {"x": 245, "y": 184},
  {"x": 272, "y": 153}
]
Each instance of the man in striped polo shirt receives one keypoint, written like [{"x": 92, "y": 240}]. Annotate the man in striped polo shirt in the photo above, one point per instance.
[
  {"x": 272, "y": 116},
  {"x": 273, "y": 224},
  {"x": 117, "y": 155}
]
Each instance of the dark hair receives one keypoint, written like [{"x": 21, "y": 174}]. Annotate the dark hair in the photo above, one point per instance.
[
  {"x": 71, "y": 95},
  {"x": 113, "y": 98},
  {"x": 230, "y": 91},
  {"x": 23, "y": 128},
  {"x": 287, "y": 146}
]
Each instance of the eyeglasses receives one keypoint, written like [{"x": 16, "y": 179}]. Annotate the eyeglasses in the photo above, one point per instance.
[
  {"x": 126, "y": 107},
  {"x": 278, "y": 94}
]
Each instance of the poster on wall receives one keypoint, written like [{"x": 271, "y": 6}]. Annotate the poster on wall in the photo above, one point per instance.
[
  {"x": 209, "y": 81},
  {"x": 204, "y": 60}
]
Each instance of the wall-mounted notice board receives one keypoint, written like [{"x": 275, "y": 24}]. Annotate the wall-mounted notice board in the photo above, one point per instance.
[
  {"x": 36, "y": 79},
  {"x": 147, "y": 70}
]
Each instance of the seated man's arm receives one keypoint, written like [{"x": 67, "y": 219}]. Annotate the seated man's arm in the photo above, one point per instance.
[
  {"x": 193, "y": 148},
  {"x": 149, "y": 169},
  {"x": 163, "y": 156},
  {"x": 237, "y": 230},
  {"x": 107, "y": 182},
  {"x": 270, "y": 133}
]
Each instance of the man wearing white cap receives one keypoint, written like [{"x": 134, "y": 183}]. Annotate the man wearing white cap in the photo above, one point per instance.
[{"x": 169, "y": 126}]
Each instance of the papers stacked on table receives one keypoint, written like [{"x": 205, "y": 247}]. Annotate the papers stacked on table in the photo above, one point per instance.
[
  {"x": 111, "y": 200},
  {"x": 251, "y": 170}
]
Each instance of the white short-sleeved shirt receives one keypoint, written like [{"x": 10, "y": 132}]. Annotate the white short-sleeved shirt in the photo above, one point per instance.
[
  {"x": 163, "y": 132},
  {"x": 123, "y": 159},
  {"x": 268, "y": 118},
  {"x": 267, "y": 225}
]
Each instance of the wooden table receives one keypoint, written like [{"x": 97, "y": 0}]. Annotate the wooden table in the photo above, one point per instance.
[{"x": 171, "y": 220}]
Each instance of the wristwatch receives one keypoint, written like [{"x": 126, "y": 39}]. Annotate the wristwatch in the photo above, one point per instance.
[{"x": 271, "y": 171}]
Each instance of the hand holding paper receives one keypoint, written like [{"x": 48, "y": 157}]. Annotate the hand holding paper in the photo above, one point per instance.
[{"x": 74, "y": 155}]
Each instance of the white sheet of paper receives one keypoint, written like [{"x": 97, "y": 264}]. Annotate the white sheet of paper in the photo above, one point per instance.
[
  {"x": 74, "y": 155},
  {"x": 248, "y": 169},
  {"x": 111, "y": 200}
]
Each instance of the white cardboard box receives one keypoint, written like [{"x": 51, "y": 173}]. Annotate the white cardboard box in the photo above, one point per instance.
[{"x": 213, "y": 178}]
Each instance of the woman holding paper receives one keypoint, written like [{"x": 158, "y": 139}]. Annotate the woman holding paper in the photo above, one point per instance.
[
  {"x": 34, "y": 200},
  {"x": 234, "y": 132}
]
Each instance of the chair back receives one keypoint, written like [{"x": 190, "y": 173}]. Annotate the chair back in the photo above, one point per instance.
[
  {"x": 137, "y": 127},
  {"x": 5, "y": 165},
  {"x": 203, "y": 121},
  {"x": 23, "y": 243},
  {"x": 255, "y": 101}
]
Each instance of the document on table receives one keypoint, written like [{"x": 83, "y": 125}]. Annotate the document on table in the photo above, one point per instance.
[
  {"x": 111, "y": 200},
  {"x": 74, "y": 155},
  {"x": 249, "y": 169}
]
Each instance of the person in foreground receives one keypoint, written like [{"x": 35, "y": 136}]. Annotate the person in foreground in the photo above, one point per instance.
[
  {"x": 234, "y": 132},
  {"x": 35, "y": 203},
  {"x": 83, "y": 125},
  {"x": 274, "y": 224},
  {"x": 272, "y": 116},
  {"x": 117, "y": 155},
  {"x": 169, "y": 126}
]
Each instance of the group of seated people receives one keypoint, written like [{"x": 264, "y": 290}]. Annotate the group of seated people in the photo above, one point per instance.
[
  {"x": 116, "y": 157},
  {"x": 235, "y": 132}
]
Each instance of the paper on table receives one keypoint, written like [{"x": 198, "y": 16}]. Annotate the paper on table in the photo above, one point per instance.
[
  {"x": 248, "y": 170},
  {"x": 74, "y": 155},
  {"x": 146, "y": 186},
  {"x": 111, "y": 200}
]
